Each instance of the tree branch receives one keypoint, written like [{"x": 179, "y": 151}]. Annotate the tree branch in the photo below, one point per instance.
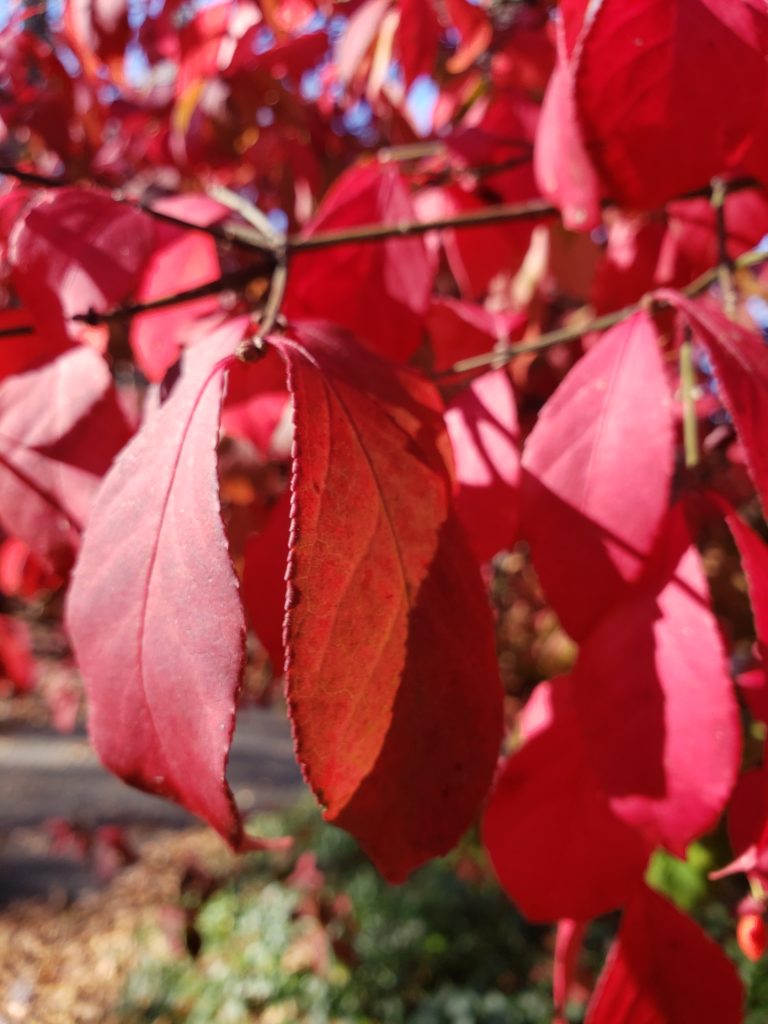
[
  {"x": 250, "y": 238},
  {"x": 532, "y": 209}
]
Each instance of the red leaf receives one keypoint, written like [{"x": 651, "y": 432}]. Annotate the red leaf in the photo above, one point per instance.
[
  {"x": 266, "y": 554},
  {"x": 596, "y": 481},
  {"x": 672, "y": 79},
  {"x": 73, "y": 251},
  {"x": 458, "y": 330},
  {"x": 556, "y": 847},
  {"x": 663, "y": 969},
  {"x": 747, "y": 818},
  {"x": 378, "y": 291},
  {"x": 753, "y": 686},
  {"x": 16, "y": 662},
  {"x": 22, "y": 573},
  {"x": 60, "y": 428},
  {"x": 656, "y": 702},
  {"x": 181, "y": 260},
  {"x": 754, "y": 560},
  {"x": 387, "y": 615},
  {"x": 691, "y": 242},
  {"x": 740, "y": 361},
  {"x": 153, "y": 611},
  {"x": 23, "y": 351},
  {"x": 482, "y": 425},
  {"x": 256, "y": 402},
  {"x": 564, "y": 171},
  {"x": 478, "y": 255},
  {"x": 568, "y": 942},
  {"x": 418, "y": 36}
]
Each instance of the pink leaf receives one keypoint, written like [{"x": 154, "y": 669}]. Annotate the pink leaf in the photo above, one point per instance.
[
  {"x": 153, "y": 611},
  {"x": 596, "y": 481},
  {"x": 482, "y": 425},
  {"x": 76, "y": 250},
  {"x": 60, "y": 428},
  {"x": 387, "y": 615},
  {"x": 663, "y": 969},
  {"x": 564, "y": 171},
  {"x": 556, "y": 846},
  {"x": 181, "y": 260},
  {"x": 359, "y": 33}
]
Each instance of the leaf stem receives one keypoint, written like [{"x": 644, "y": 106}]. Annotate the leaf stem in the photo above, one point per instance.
[
  {"x": 725, "y": 263},
  {"x": 688, "y": 398}
]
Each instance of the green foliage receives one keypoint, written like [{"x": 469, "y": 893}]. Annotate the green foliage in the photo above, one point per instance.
[
  {"x": 314, "y": 936},
  {"x": 330, "y": 943},
  {"x": 685, "y": 882}
]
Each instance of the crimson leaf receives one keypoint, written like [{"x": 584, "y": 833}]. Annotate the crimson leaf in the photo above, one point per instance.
[{"x": 393, "y": 685}]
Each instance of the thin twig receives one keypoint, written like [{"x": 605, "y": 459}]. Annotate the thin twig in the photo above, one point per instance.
[
  {"x": 252, "y": 348},
  {"x": 533, "y": 209},
  {"x": 501, "y": 356},
  {"x": 225, "y": 282},
  {"x": 725, "y": 263},
  {"x": 15, "y": 332},
  {"x": 688, "y": 399}
]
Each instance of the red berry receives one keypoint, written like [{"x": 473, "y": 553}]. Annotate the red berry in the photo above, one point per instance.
[{"x": 752, "y": 936}]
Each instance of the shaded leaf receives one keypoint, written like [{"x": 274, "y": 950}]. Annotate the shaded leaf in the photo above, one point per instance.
[
  {"x": 60, "y": 428},
  {"x": 663, "y": 969},
  {"x": 656, "y": 701},
  {"x": 264, "y": 583},
  {"x": 556, "y": 847}
]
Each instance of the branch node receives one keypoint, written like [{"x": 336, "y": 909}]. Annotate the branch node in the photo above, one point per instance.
[{"x": 251, "y": 349}]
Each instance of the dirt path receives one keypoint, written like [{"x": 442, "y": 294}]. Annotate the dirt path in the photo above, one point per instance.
[
  {"x": 67, "y": 938},
  {"x": 45, "y": 775}
]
